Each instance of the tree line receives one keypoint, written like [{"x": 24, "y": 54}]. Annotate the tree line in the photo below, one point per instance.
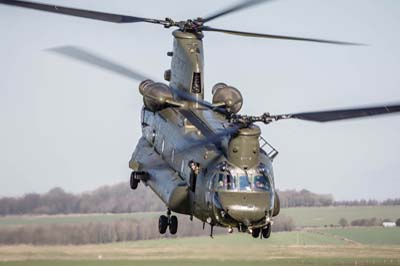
[
  {"x": 370, "y": 202},
  {"x": 304, "y": 198},
  {"x": 367, "y": 222},
  {"x": 113, "y": 231},
  {"x": 120, "y": 198},
  {"x": 117, "y": 198}
]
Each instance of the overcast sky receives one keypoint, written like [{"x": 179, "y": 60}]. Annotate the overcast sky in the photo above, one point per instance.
[{"x": 71, "y": 125}]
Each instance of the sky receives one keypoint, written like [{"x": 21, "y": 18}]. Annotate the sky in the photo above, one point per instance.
[{"x": 71, "y": 125}]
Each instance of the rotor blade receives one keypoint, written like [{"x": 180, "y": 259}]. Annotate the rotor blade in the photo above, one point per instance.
[
  {"x": 271, "y": 36},
  {"x": 90, "y": 58},
  {"x": 87, "y": 57},
  {"x": 191, "y": 98},
  {"x": 215, "y": 139},
  {"x": 334, "y": 115},
  {"x": 237, "y": 7},
  {"x": 80, "y": 12}
]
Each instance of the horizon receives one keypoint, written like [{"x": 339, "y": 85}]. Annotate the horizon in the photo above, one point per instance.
[{"x": 79, "y": 193}]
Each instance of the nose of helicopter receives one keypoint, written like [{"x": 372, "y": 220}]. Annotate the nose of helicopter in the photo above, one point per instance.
[{"x": 245, "y": 207}]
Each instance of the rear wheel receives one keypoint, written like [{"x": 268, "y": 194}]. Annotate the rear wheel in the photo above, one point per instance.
[
  {"x": 162, "y": 224},
  {"x": 134, "y": 181},
  {"x": 266, "y": 231},
  {"x": 255, "y": 232},
  {"x": 173, "y": 225}
]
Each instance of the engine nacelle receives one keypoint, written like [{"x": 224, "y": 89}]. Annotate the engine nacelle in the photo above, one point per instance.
[
  {"x": 228, "y": 96},
  {"x": 155, "y": 94}
]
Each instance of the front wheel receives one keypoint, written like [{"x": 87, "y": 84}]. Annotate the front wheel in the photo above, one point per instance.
[
  {"x": 266, "y": 231},
  {"x": 255, "y": 232},
  {"x": 173, "y": 225}
]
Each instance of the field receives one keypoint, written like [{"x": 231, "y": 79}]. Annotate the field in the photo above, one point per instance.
[
  {"x": 321, "y": 216},
  {"x": 289, "y": 248},
  {"x": 313, "y": 216},
  {"x": 201, "y": 262},
  {"x": 313, "y": 245},
  {"x": 369, "y": 236}
]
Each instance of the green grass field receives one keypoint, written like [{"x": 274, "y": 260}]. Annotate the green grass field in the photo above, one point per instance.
[
  {"x": 285, "y": 248},
  {"x": 319, "y": 216},
  {"x": 238, "y": 240},
  {"x": 273, "y": 262},
  {"x": 370, "y": 235},
  {"x": 312, "y": 246}
]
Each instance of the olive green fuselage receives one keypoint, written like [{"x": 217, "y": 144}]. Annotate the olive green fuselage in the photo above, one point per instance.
[{"x": 235, "y": 185}]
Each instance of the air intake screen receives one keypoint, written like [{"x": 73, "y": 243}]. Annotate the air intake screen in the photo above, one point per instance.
[{"x": 196, "y": 84}]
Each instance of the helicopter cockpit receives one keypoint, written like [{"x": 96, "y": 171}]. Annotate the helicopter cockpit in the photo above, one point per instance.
[{"x": 252, "y": 181}]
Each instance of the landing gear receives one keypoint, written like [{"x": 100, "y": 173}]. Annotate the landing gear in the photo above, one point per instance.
[
  {"x": 134, "y": 182},
  {"x": 173, "y": 225},
  {"x": 136, "y": 176},
  {"x": 168, "y": 221},
  {"x": 162, "y": 224},
  {"x": 255, "y": 232},
  {"x": 266, "y": 231}
]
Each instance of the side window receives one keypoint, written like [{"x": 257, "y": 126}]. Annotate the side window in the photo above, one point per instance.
[
  {"x": 153, "y": 137},
  {"x": 162, "y": 146},
  {"x": 182, "y": 167},
  {"x": 173, "y": 155}
]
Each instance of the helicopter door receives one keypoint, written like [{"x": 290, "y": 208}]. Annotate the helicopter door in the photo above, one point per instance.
[
  {"x": 193, "y": 173},
  {"x": 208, "y": 196}
]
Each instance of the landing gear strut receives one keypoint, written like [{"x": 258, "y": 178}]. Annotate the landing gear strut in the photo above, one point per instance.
[{"x": 168, "y": 221}]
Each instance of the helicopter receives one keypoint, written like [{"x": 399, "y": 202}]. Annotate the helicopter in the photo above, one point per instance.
[{"x": 202, "y": 159}]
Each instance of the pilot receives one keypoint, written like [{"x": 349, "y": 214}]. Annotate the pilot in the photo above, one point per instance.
[
  {"x": 194, "y": 172},
  {"x": 230, "y": 182},
  {"x": 260, "y": 182},
  {"x": 222, "y": 181}
]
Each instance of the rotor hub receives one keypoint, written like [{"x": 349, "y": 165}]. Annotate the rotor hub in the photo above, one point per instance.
[{"x": 190, "y": 25}]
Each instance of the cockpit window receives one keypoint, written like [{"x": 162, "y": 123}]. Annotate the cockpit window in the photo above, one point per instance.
[
  {"x": 230, "y": 182},
  {"x": 226, "y": 182},
  {"x": 261, "y": 183},
  {"x": 244, "y": 183},
  {"x": 256, "y": 182}
]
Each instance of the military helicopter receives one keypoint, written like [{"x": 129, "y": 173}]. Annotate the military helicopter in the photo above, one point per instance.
[{"x": 202, "y": 159}]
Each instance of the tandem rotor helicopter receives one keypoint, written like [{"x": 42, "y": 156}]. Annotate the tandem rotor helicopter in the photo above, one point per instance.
[{"x": 202, "y": 159}]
